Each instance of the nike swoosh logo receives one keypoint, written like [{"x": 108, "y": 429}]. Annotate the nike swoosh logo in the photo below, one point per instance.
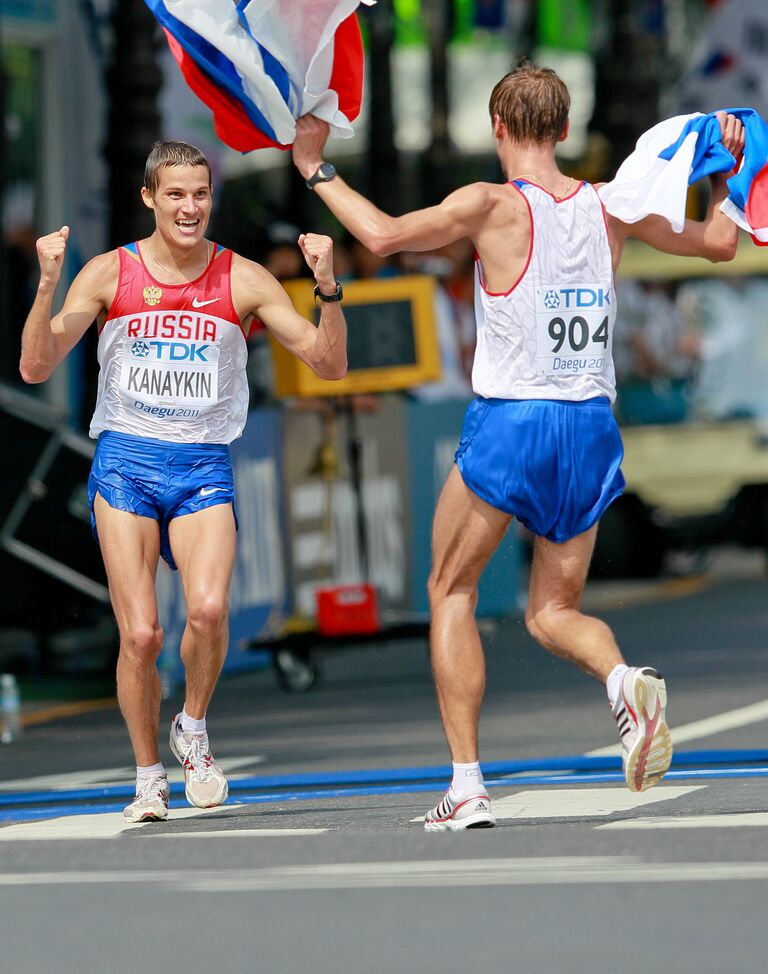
[
  {"x": 207, "y": 491},
  {"x": 197, "y": 303}
]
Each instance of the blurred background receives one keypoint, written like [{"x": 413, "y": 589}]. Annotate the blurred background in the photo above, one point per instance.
[{"x": 339, "y": 490}]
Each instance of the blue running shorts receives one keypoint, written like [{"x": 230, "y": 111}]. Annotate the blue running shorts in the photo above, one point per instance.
[
  {"x": 159, "y": 479},
  {"x": 552, "y": 464}
]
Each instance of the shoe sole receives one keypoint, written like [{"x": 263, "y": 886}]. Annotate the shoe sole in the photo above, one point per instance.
[
  {"x": 146, "y": 817},
  {"x": 651, "y": 755},
  {"x": 482, "y": 820},
  {"x": 209, "y": 803}
]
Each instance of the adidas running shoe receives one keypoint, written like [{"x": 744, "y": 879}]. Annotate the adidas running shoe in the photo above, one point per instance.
[
  {"x": 205, "y": 783},
  {"x": 645, "y": 739},
  {"x": 151, "y": 801},
  {"x": 454, "y": 814}
]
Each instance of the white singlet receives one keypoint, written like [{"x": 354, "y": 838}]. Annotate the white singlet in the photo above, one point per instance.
[{"x": 550, "y": 336}]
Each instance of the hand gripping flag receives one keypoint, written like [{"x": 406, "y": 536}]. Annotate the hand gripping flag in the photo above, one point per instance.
[
  {"x": 260, "y": 64},
  {"x": 681, "y": 150}
]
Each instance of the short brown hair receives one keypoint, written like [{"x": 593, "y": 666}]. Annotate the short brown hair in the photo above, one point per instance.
[
  {"x": 532, "y": 102},
  {"x": 166, "y": 154}
]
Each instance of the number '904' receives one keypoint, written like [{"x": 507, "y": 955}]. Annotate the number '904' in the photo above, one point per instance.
[{"x": 576, "y": 333}]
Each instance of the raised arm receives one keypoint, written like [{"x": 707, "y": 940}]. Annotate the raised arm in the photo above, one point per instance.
[
  {"x": 456, "y": 217},
  {"x": 716, "y": 236},
  {"x": 47, "y": 339},
  {"x": 256, "y": 292}
]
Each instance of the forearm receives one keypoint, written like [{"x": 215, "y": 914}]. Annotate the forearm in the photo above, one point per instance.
[
  {"x": 38, "y": 346},
  {"x": 370, "y": 225},
  {"x": 721, "y": 235},
  {"x": 329, "y": 355}
]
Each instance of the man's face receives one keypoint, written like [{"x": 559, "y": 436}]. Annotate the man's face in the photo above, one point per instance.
[{"x": 181, "y": 204}]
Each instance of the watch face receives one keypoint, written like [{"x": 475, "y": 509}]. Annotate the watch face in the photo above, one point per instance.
[{"x": 326, "y": 171}]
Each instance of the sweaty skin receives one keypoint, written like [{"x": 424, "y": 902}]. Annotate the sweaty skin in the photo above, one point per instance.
[{"x": 466, "y": 530}]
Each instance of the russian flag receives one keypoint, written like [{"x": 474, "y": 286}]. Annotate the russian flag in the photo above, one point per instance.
[
  {"x": 260, "y": 64},
  {"x": 680, "y": 151}
]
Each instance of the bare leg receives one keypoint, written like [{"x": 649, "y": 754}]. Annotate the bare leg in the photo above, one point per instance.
[
  {"x": 553, "y": 616},
  {"x": 465, "y": 534},
  {"x": 204, "y": 549},
  {"x": 130, "y": 546}
]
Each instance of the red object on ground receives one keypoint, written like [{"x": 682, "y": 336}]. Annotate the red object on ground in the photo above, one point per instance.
[{"x": 347, "y": 610}]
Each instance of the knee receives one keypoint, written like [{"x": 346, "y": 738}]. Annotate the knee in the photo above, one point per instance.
[
  {"x": 141, "y": 643},
  {"x": 442, "y": 586},
  {"x": 541, "y": 623},
  {"x": 207, "y": 615},
  {"x": 532, "y": 625}
]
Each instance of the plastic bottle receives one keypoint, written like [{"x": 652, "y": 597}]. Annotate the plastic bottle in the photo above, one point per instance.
[{"x": 10, "y": 709}]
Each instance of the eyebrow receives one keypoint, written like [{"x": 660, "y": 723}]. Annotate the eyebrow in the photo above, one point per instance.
[{"x": 180, "y": 189}]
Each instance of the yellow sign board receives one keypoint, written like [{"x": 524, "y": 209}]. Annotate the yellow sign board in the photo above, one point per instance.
[{"x": 391, "y": 338}]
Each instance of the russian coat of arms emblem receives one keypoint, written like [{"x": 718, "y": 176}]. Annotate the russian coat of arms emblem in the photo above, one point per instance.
[{"x": 152, "y": 295}]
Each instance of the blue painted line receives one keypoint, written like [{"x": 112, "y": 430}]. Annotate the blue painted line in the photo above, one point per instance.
[
  {"x": 260, "y": 798},
  {"x": 389, "y": 776}
]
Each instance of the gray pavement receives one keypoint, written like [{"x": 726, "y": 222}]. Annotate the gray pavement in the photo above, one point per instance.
[{"x": 579, "y": 875}]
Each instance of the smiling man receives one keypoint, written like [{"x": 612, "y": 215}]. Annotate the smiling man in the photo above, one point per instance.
[{"x": 173, "y": 311}]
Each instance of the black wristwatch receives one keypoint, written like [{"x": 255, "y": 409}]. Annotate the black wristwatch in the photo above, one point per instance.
[
  {"x": 324, "y": 173},
  {"x": 337, "y": 295}
]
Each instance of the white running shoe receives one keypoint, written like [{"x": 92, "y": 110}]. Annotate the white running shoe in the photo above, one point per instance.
[
  {"x": 645, "y": 739},
  {"x": 205, "y": 783},
  {"x": 151, "y": 801},
  {"x": 454, "y": 814}
]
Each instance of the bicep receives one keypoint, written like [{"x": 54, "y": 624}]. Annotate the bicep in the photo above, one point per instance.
[
  {"x": 88, "y": 296},
  {"x": 459, "y": 215}
]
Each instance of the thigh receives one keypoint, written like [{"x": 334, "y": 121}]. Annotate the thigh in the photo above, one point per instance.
[
  {"x": 130, "y": 547},
  {"x": 203, "y": 545},
  {"x": 465, "y": 533},
  {"x": 559, "y": 570}
]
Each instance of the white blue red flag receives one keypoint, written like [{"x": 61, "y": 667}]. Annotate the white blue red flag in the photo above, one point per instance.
[
  {"x": 260, "y": 64},
  {"x": 681, "y": 150}
]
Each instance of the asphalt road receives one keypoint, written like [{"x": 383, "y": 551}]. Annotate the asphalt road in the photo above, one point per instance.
[{"x": 319, "y": 861}]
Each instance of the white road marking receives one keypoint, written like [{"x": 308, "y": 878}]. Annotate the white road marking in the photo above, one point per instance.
[
  {"x": 110, "y": 825},
  {"x": 583, "y": 802},
  {"x": 580, "y": 802},
  {"x": 727, "y": 821},
  {"x": 102, "y": 825},
  {"x": 433, "y": 874},
  {"x": 106, "y": 777},
  {"x": 707, "y": 727}
]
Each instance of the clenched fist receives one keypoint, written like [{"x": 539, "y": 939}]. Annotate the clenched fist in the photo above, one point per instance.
[
  {"x": 318, "y": 253},
  {"x": 50, "y": 253}
]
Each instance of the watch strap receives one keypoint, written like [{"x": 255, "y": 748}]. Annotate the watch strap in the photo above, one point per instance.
[{"x": 337, "y": 295}]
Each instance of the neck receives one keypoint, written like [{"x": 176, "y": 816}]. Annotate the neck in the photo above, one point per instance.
[
  {"x": 177, "y": 258},
  {"x": 537, "y": 162}
]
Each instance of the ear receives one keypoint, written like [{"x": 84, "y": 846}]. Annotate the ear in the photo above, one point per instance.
[
  {"x": 564, "y": 133},
  {"x": 146, "y": 197},
  {"x": 499, "y": 129}
]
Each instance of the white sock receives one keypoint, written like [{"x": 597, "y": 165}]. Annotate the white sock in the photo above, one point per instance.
[
  {"x": 189, "y": 725},
  {"x": 613, "y": 683},
  {"x": 467, "y": 779},
  {"x": 150, "y": 771}
]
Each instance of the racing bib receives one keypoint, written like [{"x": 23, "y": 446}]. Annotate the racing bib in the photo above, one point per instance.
[
  {"x": 574, "y": 329},
  {"x": 157, "y": 372}
]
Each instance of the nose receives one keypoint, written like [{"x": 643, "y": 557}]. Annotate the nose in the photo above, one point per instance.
[{"x": 189, "y": 205}]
